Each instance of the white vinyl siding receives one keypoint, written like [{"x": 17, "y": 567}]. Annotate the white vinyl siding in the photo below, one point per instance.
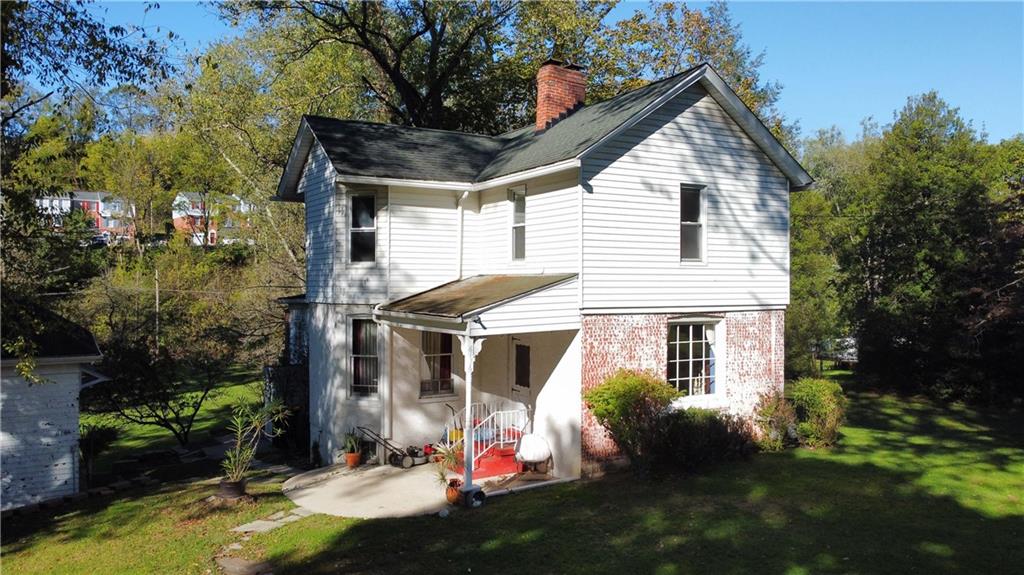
[
  {"x": 632, "y": 215},
  {"x": 552, "y": 239},
  {"x": 317, "y": 188},
  {"x": 554, "y": 308},
  {"x": 424, "y": 240}
]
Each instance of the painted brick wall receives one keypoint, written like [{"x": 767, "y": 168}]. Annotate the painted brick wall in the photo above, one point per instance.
[
  {"x": 754, "y": 342},
  {"x": 39, "y": 436}
]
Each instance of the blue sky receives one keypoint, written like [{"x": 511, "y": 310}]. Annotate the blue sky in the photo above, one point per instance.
[{"x": 838, "y": 62}]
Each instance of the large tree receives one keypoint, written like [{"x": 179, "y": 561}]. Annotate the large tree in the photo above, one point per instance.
[{"x": 63, "y": 47}]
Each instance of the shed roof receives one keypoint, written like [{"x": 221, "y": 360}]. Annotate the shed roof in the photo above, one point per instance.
[
  {"x": 467, "y": 297},
  {"x": 58, "y": 337}
]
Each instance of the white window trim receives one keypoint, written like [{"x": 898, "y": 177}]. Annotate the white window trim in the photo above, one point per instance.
[
  {"x": 513, "y": 225},
  {"x": 718, "y": 399},
  {"x": 423, "y": 356},
  {"x": 703, "y": 260},
  {"x": 351, "y": 229},
  {"x": 350, "y": 359}
]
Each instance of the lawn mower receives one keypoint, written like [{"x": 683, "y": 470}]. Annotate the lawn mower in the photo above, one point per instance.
[{"x": 404, "y": 457}]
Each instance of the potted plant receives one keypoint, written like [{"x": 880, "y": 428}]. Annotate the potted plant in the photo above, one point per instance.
[
  {"x": 447, "y": 457},
  {"x": 352, "y": 450},
  {"x": 248, "y": 425}
]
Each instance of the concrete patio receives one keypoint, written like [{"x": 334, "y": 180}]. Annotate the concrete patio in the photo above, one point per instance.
[{"x": 368, "y": 491}]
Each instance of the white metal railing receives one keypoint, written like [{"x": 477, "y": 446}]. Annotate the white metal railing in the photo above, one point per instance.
[
  {"x": 498, "y": 429},
  {"x": 491, "y": 427}
]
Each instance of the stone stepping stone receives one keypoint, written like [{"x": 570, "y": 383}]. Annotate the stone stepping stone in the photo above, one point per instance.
[
  {"x": 277, "y": 516},
  {"x": 258, "y": 526},
  {"x": 302, "y": 512},
  {"x": 290, "y": 518}
]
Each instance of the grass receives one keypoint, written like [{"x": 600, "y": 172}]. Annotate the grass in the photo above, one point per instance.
[
  {"x": 914, "y": 487},
  {"x": 170, "y": 530},
  {"x": 239, "y": 385}
]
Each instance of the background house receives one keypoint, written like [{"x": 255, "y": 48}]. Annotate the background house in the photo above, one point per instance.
[
  {"x": 503, "y": 276},
  {"x": 39, "y": 422},
  {"x": 208, "y": 220},
  {"x": 111, "y": 216}
]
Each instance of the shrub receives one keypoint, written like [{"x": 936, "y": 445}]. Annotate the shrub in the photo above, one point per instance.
[
  {"x": 629, "y": 404},
  {"x": 692, "y": 438},
  {"x": 776, "y": 421},
  {"x": 820, "y": 409}
]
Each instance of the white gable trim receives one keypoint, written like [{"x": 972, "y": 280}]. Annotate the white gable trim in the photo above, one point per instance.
[
  {"x": 737, "y": 110},
  {"x": 517, "y": 177}
]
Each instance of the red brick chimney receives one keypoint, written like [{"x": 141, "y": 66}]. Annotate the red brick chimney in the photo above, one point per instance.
[{"x": 561, "y": 88}]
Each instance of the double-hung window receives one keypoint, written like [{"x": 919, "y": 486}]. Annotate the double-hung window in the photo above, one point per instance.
[
  {"x": 365, "y": 368},
  {"x": 437, "y": 354},
  {"x": 691, "y": 224},
  {"x": 691, "y": 358},
  {"x": 363, "y": 228},
  {"x": 518, "y": 198}
]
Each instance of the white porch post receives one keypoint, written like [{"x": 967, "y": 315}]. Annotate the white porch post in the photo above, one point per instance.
[{"x": 470, "y": 348}]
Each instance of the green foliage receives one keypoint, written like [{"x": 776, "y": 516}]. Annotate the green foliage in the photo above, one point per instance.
[
  {"x": 249, "y": 424},
  {"x": 821, "y": 410},
  {"x": 351, "y": 442},
  {"x": 93, "y": 439},
  {"x": 693, "y": 438},
  {"x": 776, "y": 421},
  {"x": 630, "y": 405},
  {"x": 447, "y": 457}
]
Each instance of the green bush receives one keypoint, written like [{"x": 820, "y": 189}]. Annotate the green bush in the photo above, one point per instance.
[
  {"x": 820, "y": 409},
  {"x": 692, "y": 438},
  {"x": 776, "y": 422},
  {"x": 630, "y": 404}
]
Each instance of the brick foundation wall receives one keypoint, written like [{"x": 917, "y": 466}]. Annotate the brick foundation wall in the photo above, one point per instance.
[{"x": 754, "y": 342}]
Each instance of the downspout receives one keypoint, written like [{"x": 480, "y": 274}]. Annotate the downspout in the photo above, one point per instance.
[{"x": 462, "y": 226}]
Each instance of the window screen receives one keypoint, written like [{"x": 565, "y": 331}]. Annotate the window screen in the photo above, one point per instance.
[
  {"x": 364, "y": 357},
  {"x": 364, "y": 229},
  {"x": 691, "y": 224}
]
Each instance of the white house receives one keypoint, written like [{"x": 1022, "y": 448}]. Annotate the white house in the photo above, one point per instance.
[
  {"x": 504, "y": 275},
  {"x": 39, "y": 420}
]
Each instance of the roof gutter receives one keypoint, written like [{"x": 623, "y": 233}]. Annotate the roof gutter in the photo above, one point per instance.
[{"x": 464, "y": 186}]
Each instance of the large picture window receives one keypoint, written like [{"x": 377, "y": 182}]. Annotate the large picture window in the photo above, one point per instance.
[
  {"x": 363, "y": 229},
  {"x": 437, "y": 354},
  {"x": 365, "y": 369},
  {"x": 691, "y": 358},
  {"x": 518, "y": 198},
  {"x": 691, "y": 223}
]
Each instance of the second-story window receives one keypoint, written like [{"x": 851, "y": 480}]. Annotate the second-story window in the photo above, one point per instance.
[
  {"x": 363, "y": 229},
  {"x": 518, "y": 198},
  {"x": 691, "y": 223}
]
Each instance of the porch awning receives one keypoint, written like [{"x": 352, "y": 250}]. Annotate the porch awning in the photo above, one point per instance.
[{"x": 465, "y": 301}]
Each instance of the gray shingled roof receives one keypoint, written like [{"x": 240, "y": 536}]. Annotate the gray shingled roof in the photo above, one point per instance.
[
  {"x": 385, "y": 150},
  {"x": 389, "y": 151}
]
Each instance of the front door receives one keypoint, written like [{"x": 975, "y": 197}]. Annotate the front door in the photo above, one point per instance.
[{"x": 521, "y": 375}]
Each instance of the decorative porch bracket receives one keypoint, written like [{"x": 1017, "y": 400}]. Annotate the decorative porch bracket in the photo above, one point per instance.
[{"x": 470, "y": 348}]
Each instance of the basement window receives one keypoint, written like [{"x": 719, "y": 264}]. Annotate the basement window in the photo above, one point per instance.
[
  {"x": 691, "y": 358},
  {"x": 363, "y": 229},
  {"x": 437, "y": 355}
]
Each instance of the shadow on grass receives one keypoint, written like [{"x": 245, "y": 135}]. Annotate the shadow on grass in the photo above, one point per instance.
[
  {"x": 914, "y": 487},
  {"x": 780, "y": 516}
]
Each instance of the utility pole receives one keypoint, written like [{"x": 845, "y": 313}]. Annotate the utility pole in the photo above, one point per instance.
[{"x": 156, "y": 272}]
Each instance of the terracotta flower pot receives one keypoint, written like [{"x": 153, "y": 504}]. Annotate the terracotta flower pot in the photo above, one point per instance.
[
  {"x": 453, "y": 491},
  {"x": 352, "y": 460},
  {"x": 231, "y": 489}
]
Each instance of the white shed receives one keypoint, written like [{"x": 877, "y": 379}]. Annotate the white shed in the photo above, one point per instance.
[{"x": 39, "y": 421}]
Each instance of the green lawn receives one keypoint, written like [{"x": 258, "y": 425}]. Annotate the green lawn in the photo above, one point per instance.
[
  {"x": 913, "y": 488},
  {"x": 239, "y": 386}
]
